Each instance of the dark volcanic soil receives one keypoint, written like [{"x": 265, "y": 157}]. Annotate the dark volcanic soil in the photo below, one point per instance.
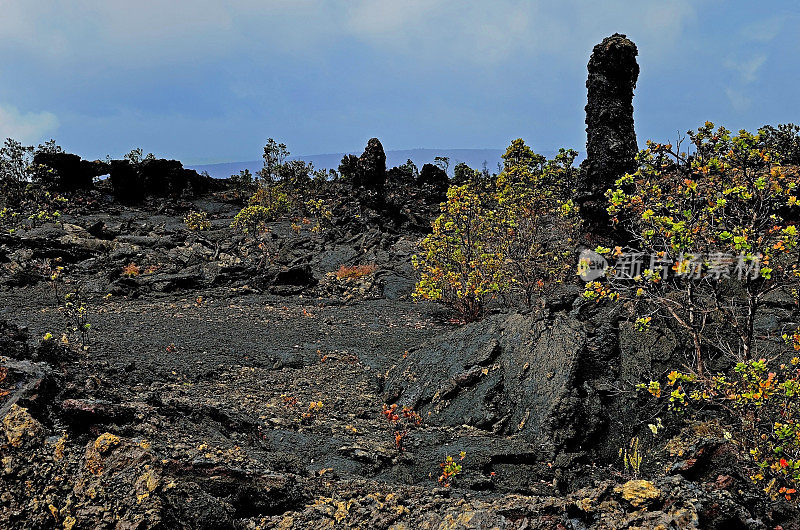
[{"x": 230, "y": 328}]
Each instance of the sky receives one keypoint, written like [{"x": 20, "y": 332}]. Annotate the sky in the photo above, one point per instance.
[{"x": 207, "y": 81}]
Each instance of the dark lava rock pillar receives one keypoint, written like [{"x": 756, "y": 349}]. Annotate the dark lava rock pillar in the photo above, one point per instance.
[
  {"x": 610, "y": 137},
  {"x": 372, "y": 167}
]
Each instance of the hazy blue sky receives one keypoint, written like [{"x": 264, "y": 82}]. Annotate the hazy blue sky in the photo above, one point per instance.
[{"x": 207, "y": 81}]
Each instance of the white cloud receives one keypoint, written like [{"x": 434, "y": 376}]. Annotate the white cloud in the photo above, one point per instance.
[
  {"x": 764, "y": 30},
  {"x": 26, "y": 127},
  {"x": 739, "y": 100},
  {"x": 747, "y": 68}
]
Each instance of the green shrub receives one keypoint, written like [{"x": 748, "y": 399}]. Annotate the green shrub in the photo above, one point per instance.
[
  {"x": 15, "y": 161},
  {"x": 534, "y": 196},
  {"x": 252, "y": 219},
  {"x": 511, "y": 237},
  {"x": 697, "y": 221},
  {"x": 267, "y": 204},
  {"x": 783, "y": 141},
  {"x": 197, "y": 221},
  {"x": 462, "y": 263}
]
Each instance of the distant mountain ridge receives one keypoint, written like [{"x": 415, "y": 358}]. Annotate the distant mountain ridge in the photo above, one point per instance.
[{"x": 472, "y": 157}]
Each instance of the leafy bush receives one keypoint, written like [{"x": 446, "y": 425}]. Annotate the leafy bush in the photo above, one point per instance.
[
  {"x": 783, "y": 141},
  {"x": 462, "y": 263},
  {"x": 319, "y": 210},
  {"x": 17, "y": 166},
  {"x": 403, "y": 175},
  {"x": 463, "y": 174},
  {"x": 274, "y": 156},
  {"x": 197, "y": 221},
  {"x": 696, "y": 220},
  {"x": 252, "y": 219},
  {"x": 243, "y": 181},
  {"x": 15, "y": 161},
  {"x": 511, "y": 238},
  {"x": 266, "y": 204},
  {"x": 763, "y": 406},
  {"x": 137, "y": 156},
  {"x": 534, "y": 196},
  {"x": 272, "y": 197}
]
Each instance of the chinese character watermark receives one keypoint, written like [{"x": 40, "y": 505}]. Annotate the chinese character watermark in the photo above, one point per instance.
[{"x": 632, "y": 265}]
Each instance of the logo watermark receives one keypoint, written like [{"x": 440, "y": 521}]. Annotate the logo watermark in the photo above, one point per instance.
[
  {"x": 591, "y": 265},
  {"x": 632, "y": 265}
]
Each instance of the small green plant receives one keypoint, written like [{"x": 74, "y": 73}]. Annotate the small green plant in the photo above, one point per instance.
[
  {"x": 77, "y": 313},
  {"x": 41, "y": 217},
  {"x": 197, "y": 221},
  {"x": 631, "y": 457},
  {"x": 9, "y": 219},
  {"x": 54, "y": 272},
  {"x": 450, "y": 469},
  {"x": 73, "y": 305}
]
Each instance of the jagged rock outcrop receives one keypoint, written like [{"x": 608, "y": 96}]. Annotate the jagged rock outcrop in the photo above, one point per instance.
[
  {"x": 163, "y": 178},
  {"x": 131, "y": 183},
  {"x": 434, "y": 182},
  {"x": 66, "y": 171},
  {"x": 533, "y": 375},
  {"x": 126, "y": 184},
  {"x": 610, "y": 137},
  {"x": 367, "y": 173}
]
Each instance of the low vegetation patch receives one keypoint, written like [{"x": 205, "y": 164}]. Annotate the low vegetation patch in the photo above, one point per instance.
[
  {"x": 355, "y": 271},
  {"x": 761, "y": 404}
]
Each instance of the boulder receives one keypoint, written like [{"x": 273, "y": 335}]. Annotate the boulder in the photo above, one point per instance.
[{"x": 533, "y": 375}]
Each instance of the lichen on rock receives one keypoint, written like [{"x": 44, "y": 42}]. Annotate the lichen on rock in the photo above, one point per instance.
[{"x": 19, "y": 426}]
